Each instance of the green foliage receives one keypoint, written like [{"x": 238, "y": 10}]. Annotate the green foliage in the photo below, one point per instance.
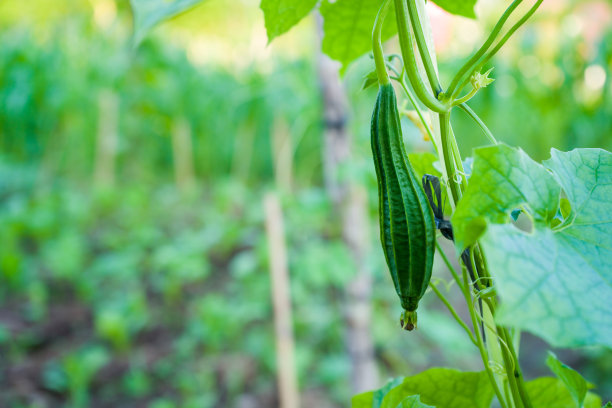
[
  {"x": 412, "y": 402},
  {"x": 347, "y": 28},
  {"x": 463, "y": 8},
  {"x": 548, "y": 392},
  {"x": 80, "y": 369},
  {"x": 142, "y": 262},
  {"x": 209, "y": 291},
  {"x": 59, "y": 108},
  {"x": 424, "y": 163},
  {"x": 370, "y": 80},
  {"x": 281, "y": 15},
  {"x": 374, "y": 399},
  {"x": 437, "y": 387},
  {"x": 548, "y": 279},
  {"x": 148, "y": 13},
  {"x": 503, "y": 179},
  {"x": 574, "y": 382}
]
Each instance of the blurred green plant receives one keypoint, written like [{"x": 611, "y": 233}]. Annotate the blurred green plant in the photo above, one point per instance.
[{"x": 167, "y": 281}]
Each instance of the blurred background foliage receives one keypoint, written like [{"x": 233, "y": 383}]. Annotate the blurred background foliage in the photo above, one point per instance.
[{"x": 145, "y": 286}]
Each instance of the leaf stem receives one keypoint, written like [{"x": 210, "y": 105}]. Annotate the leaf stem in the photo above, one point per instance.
[{"x": 467, "y": 97}]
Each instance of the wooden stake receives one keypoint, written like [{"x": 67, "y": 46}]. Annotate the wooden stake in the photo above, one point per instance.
[
  {"x": 182, "y": 152},
  {"x": 281, "y": 300},
  {"x": 282, "y": 152},
  {"x": 351, "y": 204},
  {"x": 107, "y": 139}
]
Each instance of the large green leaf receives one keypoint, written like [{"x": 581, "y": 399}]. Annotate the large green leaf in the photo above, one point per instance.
[
  {"x": 373, "y": 399},
  {"x": 574, "y": 382},
  {"x": 459, "y": 7},
  {"x": 503, "y": 178},
  {"x": 281, "y": 15},
  {"x": 548, "y": 392},
  {"x": 348, "y": 28},
  {"x": 413, "y": 401},
  {"x": 443, "y": 388},
  {"x": 148, "y": 13},
  {"x": 552, "y": 282}
]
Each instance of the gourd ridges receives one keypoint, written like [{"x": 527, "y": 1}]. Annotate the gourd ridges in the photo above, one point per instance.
[
  {"x": 382, "y": 193},
  {"x": 401, "y": 199}
]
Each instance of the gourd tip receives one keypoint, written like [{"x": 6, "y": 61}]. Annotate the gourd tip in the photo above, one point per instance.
[{"x": 408, "y": 320}]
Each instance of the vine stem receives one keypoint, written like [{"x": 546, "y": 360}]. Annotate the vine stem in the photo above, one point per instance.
[
  {"x": 377, "y": 49},
  {"x": 471, "y": 63},
  {"x": 517, "y": 369},
  {"x": 419, "y": 35},
  {"x": 512, "y": 380},
  {"x": 448, "y": 157},
  {"x": 449, "y": 266},
  {"x": 464, "y": 107},
  {"x": 481, "y": 347},
  {"x": 410, "y": 63},
  {"x": 484, "y": 59}
]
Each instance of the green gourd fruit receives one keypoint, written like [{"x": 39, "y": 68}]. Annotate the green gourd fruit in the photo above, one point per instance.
[{"x": 407, "y": 227}]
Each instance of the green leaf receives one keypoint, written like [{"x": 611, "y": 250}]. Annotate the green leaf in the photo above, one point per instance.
[
  {"x": 347, "y": 25},
  {"x": 548, "y": 392},
  {"x": 424, "y": 163},
  {"x": 574, "y": 382},
  {"x": 608, "y": 405},
  {"x": 373, "y": 399},
  {"x": 148, "y": 13},
  {"x": 281, "y": 15},
  {"x": 413, "y": 402},
  {"x": 443, "y": 388},
  {"x": 554, "y": 282},
  {"x": 503, "y": 178},
  {"x": 370, "y": 79},
  {"x": 463, "y": 8}
]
